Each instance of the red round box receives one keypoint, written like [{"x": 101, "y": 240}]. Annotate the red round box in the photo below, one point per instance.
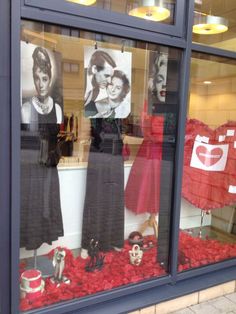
[
  {"x": 32, "y": 294},
  {"x": 32, "y": 284},
  {"x": 31, "y": 278}
]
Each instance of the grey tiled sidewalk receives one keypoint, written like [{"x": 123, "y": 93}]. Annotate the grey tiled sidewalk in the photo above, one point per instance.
[{"x": 224, "y": 304}]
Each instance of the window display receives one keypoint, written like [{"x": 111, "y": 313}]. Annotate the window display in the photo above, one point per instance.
[
  {"x": 208, "y": 189},
  {"x": 97, "y": 156}
]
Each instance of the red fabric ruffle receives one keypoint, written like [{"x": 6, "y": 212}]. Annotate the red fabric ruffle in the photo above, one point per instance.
[{"x": 209, "y": 189}]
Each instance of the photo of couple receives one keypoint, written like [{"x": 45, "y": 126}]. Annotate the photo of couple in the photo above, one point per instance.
[{"x": 108, "y": 83}]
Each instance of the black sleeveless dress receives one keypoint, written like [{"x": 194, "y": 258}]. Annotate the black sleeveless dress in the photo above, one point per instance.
[
  {"x": 41, "y": 218},
  {"x": 103, "y": 217}
]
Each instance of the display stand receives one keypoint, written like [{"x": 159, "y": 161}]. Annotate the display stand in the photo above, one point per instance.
[
  {"x": 203, "y": 214},
  {"x": 201, "y": 223},
  {"x": 35, "y": 259},
  {"x": 150, "y": 222}
]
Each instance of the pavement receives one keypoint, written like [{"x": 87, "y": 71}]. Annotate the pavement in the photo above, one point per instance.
[{"x": 221, "y": 305}]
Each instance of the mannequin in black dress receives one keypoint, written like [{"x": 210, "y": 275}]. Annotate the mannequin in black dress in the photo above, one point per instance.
[
  {"x": 41, "y": 219},
  {"x": 103, "y": 218}
]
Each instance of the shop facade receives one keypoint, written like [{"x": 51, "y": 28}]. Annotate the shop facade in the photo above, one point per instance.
[{"x": 118, "y": 153}]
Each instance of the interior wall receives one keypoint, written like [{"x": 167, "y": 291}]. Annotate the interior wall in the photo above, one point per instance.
[{"x": 214, "y": 110}]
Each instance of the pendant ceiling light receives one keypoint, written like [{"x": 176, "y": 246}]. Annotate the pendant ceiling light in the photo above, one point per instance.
[
  {"x": 205, "y": 24},
  {"x": 83, "y": 2},
  {"x": 152, "y": 10}
]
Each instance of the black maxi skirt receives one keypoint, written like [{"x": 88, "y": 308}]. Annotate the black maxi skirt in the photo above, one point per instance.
[
  {"x": 41, "y": 218},
  {"x": 103, "y": 217}
]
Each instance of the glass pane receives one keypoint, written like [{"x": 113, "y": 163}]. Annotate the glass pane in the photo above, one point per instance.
[
  {"x": 98, "y": 133},
  {"x": 214, "y": 23},
  {"x": 208, "y": 216},
  {"x": 151, "y": 10}
]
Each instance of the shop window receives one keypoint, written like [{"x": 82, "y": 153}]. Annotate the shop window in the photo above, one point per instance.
[
  {"x": 208, "y": 216},
  {"x": 214, "y": 23},
  {"x": 98, "y": 133},
  {"x": 150, "y": 10}
]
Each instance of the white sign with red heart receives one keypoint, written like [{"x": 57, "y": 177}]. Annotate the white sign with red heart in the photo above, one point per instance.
[{"x": 209, "y": 157}]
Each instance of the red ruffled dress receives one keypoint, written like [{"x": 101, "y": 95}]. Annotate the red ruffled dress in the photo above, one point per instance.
[
  {"x": 142, "y": 193},
  {"x": 209, "y": 175}
]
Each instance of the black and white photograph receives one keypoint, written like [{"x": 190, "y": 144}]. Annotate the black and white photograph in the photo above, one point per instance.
[
  {"x": 158, "y": 65},
  {"x": 42, "y": 98},
  {"x": 108, "y": 83}
]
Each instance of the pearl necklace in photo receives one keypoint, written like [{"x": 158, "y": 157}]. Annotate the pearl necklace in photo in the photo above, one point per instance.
[{"x": 44, "y": 107}]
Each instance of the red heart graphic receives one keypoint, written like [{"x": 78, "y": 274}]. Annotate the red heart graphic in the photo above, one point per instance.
[
  {"x": 209, "y": 189},
  {"x": 209, "y": 157}
]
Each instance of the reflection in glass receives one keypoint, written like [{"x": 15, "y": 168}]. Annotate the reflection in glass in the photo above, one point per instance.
[
  {"x": 214, "y": 23},
  {"x": 152, "y": 10},
  {"x": 206, "y": 24},
  {"x": 83, "y": 2}
]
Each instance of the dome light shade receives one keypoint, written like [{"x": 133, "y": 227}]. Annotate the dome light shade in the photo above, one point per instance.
[
  {"x": 205, "y": 24},
  {"x": 83, "y": 2},
  {"x": 152, "y": 10}
]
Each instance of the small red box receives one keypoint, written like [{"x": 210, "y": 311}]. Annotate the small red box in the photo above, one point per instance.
[
  {"x": 32, "y": 284},
  {"x": 31, "y": 278}
]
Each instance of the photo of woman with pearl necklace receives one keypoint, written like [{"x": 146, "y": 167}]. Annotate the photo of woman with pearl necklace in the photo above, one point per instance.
[
  {"x": 41, "y": 106},
  {"x": 41, "y": 115}
]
